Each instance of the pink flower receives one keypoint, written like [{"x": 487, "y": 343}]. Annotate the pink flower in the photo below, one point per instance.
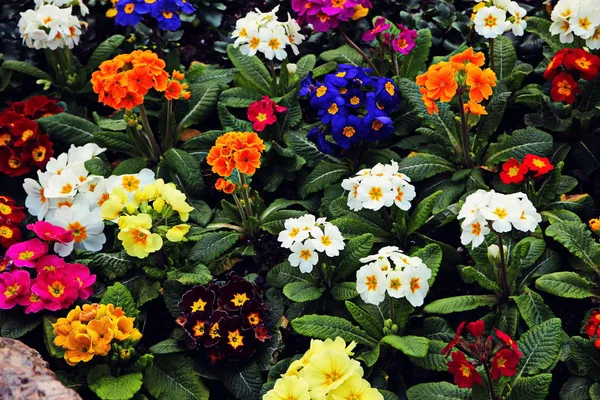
[
  {"x": 327, "y": 14},
  {"x": 33, "y": 303},
  {"x": 405, "y": 41},
  {"x": 56, "y": 288},
  {"x": 83, "y": 277},
  {"x": 14, "y": 288},
  {"x": 51, "y": 233},
  {"x": 343, "y": 8},
  {"x": 380, "y": 26},
  {"x": 25, "y": 253},
  {"x": 49, "y": 263}
]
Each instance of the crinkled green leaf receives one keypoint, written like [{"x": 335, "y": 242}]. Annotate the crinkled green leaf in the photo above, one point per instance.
[
  {"x": 461, "y": 303},
  {"x": 328, "y": 327},
  {"x": 414, "y": 346},
  {"x": 437, "y": 391},
  {"x": 120, "y": 296},
  {"x": 172, "y": 376},
  {"x": 108, "y": 387},
  {"x": 540, "y": 347},
  {"x": 565, "y": 284}
]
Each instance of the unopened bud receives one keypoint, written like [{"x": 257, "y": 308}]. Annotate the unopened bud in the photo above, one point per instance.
[
  {"x": 493, "y": 253},
  {"x": 291, "y": 68}
]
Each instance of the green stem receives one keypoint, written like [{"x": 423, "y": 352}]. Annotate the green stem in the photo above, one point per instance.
[
  {"x": 274, "y": 85},
  {"x": 394, "y": 62},
  {"x": 362, "y": 53},
  {"x": 490, "y": 382},
  {"x": 238, "y": 203},
  {"x": 148, "y": 133},
  {"x": 392, "y": 311},
  {"x": 464, "y": 130},
  {"x": 502, "y": 270},
  {"x": 169, "y": 140},
  {"x": 492, "y": 54},
  {"x": 246, "y": 197}
]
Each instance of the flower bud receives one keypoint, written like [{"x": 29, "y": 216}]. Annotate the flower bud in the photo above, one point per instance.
[
  {"x": 291, "y": 68},
  {"x": 493, "y": 253},
  {"x": 394, "y": 329},
  {"x": 158, "y": 205},
  {"x": 388, "y": 323}
]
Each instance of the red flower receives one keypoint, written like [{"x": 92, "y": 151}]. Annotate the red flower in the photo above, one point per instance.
[
  {"x": 592, "y": 324},
  {"x": 13, "y": 164},
  {"x": 36, "y": 107},
  {"x": 10, "y": 211},
  {"x": 476, "y": 328},
  {"x": 9, "y": 235},
  {"x": 555, "y": 64},
  {"x": 262, "y": 113},
  {"x": 513, "y": 172},
  {"x": 40, "y": 151},
  {"x": 580, "y": 60},
  {"x": 23, "y": 131},
  {"x": 504, "y": 363},
  {"x": 564, "y": 88},
  {"x": 465, "y": 374},
  {"x": 541, "y": 165},
  {"x": 508, "y": 340},
  {"x": 446, "y": 350}
]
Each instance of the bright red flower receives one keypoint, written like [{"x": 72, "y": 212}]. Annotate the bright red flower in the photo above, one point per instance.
[
  {"x": 262, "y": 113},
  {"x": 508, "y": 340},
  {"x": 541, "y": 165},
  {"x": 446, "y": 350},
  {"x": 564, "y": 88},
  {"x": 592, "y": 325},
  {"x": 9, "y": 211},
  {"x": 476, "y": 328},
  {"x": 465, "y": 374},
  {"x": 513, "y": 172},
  {"x": 36, "y": 107},
  {"x": 554, "y": 66},
  {"x": 580, "y": 60},
  {"x": 13, "y": 164},
  {"x": 504, "y": 363}
]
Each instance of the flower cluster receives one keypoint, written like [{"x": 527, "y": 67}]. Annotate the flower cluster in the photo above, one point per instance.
[
  {"x": 263, "y": 32},
  {"x": 310, "y": 377},
  {"x": 262, "y": 113},
  {"x": 308, "y": 236},
  {"x": 580, "y": 18},
  {"x": 124, "y": 81},
  {"x": 227, "y": 321},
  {"x": 236, "y": 150},
  {"x": 48, "y": 26},
  {"x": 165, "y": 13},
  {"x": 136, "y": 212},
  {"x": 399, "y": 38},
  {"x": 565, "y": 69},
  {"x": 56, "y": 285},
  {"x": 352, "y": 105},
  {"x": 11, "y": 216},
  {"x": 460, "y": 74},
  {"x": 491, "y": 18},
  {"x": 23, "y": 147},
  {"x": 68, "y": 196},
  {"x": 592, "y": 328},
  {"x": 503, "y": 357},
  {"x": 483, "y": 211},
  {"x": 91, "y": 330},
  {"x": 393, "y": 272},
  {"x": 326, "y": 14},
  {"x": 515, "y": 172},
  {"x": 594, "y": 225},
  {"x": 380, "y": 186}
]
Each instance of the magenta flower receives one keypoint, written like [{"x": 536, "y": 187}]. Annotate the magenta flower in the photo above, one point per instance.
[
  {"x": 343, "y": 8},
  {"x": 83, "y": 277},
  {"x": 33, "y": 303},
  {"x": 56, "y": 288},
  {"x": 14, "y": 288},
  {"x": 327, "y": 14},
  {"x": 51, "y": 233},
  {"x": 25, "y": 253},
  {"x": 49, "y": 263},
  {"x": 405, "y": 41},
  {"x": 379, "y": 27}
]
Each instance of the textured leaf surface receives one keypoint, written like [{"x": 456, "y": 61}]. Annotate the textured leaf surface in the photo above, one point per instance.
[
  {"x": 437, "y": 391},
  {"x": 108, "y": 387},
  {"x": 212, "y": 245},
  {"x": 172, "y": 376},
  {"x": 540, "y": 346},
  {"x": 414, "y": 346},
  {"x": 531, "y": 388},
  {"x": 120, "y": 296},
  {"x": 328, "y": 327},
  {"x": 460, "y": 303},
  {"x": 565, "y": 284}
]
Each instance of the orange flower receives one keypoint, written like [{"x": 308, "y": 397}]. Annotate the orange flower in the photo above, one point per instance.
[
  {"x": 173, "y": 90},
  {"x": 431, "y": 105},
  {"x": 480, "y": 83},
  {"x": 247, "y": 160},
  {"x": 225, "y": 186},
  {"x": 474, "y": 108},
  {"x": 101, "y": 333},
  {"x": 178, "y": 75},
  {"x": 441, "y": 83},
  {"x": 467, "y": 56},
  {"x": 241, "y": 150}
]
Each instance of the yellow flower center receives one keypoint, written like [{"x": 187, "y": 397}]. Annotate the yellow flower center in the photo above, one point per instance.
[
  {"x": 390, "y": 89},
  {"x": 79, "y": 231},
  {"x": 56, "y": 289},
  {"x": 321, "y": 90},
  {"x": 415, "y": 284},
  {"x": 490, "y": 21},
  {"x": 235, "y": 339},
  {"x": 11, "y": 290},
  {"x": 348, "y": 131},
  {"x": 239, "y": 299},
  {"x": 305, "y": 254},
  {"x": 130, "y": 183},
  {"x": 26, "y": 255},
  {"x": 371, "y": 283},
  {"x": 129, "y": 8},
  {"x": 375, "y": 193},
  {"x": 500, "y": 212},
  {"x": 198, "y": 305}
]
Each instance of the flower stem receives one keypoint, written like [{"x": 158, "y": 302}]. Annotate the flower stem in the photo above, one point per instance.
[
  {"x": 394, "y": 61},
  {"x": 274, "y": 85},
  {"x": 491, "y": 55},
  {"x": 490, "y": 382},
  {"x": 362, "y": 53},
  {"x": 502, "y": 271},
  {"x": 238, "y": 203},
  {"x": 168, "y": 143},
  {"x": 464, "y": 131},
  {"x": 246, "y": 200},
  {"x": 148, "y": 133},
  {"x": 391, "y": 310}
]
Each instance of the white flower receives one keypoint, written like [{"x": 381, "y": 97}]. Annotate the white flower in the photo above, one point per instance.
[
  {"x": 502, "y": 4},
  {"x": 49, "y": 26},
  {"x": 376, "y": 192},
  {"x": 490, "y": 22},
  {"x": 417, "y": 284},
  {"x": 55, "y": 166},
  {"x": 471, "y": 209},
  {"x": 371, "y": 284},
  {"x": 396, "y": 284},
  {"x": 36, "y": 201},
  {"x": 502, "y": 210},
  {"x": 87, "y": 229},
  {"x": 352, "y": 185},
  {"x": 84, "y": 153},
  {"x": 273, "y": 42},
  {"x": 307, "y": 222},
  {"x": 474, "y": 232},
  {"x": 292, "y": 233},
  {"x": 291, "y": 68},
  {"x": 519, "y": 24},
  {"x": 63, "y": 185},
  {"x": 331, "y": 241},
  {"x": 584, "y": 21},
  {"x": 303, "y": 256},
  {"x": 562, "y": 27},
  {"x": 294, "y": 36},
  {"x": 404, "y": 193},
  {"x": 594, "y": 41},
  {"x": 564, "y": 9},
  {"x": 62, "y": 3},
  {"x": 131, "y": 182},
  {"x": 529, "y": 218}
]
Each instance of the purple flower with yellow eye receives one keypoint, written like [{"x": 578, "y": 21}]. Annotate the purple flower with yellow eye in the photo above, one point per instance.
[
  {"x": 387, "y": 94},
  {"x": 405, "y": 41},
  {"x": 380, "y": 26}
]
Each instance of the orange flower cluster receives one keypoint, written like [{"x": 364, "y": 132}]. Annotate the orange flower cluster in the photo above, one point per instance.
[
  {"x": 124, "y": 81},
  {"x": 236, "y": 150},
  {"x": 89, "y": 330},
  {"x": 225, "y": 186},
  {"x": 461, "y": 73}
]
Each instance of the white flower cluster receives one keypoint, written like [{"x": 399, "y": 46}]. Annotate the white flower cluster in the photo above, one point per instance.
[
  {"x": 393, "y": 272},
  {"x": 306, "y": 237},
  {"x": 68, "y": 196},
  {"x": 262, "y": 32},
  {"x": 580, "y": 18},
  {"x": 502, "y": 211},
  {"x": 492, "y": 21},
  {"x": 50, "y": 27},
  {"x": 380, "y": 186},
  {"x": 64, "y": 4}
]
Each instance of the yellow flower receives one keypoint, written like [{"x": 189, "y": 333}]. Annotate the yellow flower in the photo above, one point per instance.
[
  {"x": 594, "y": 224},
  {"x": 158, "y": 205},
  {"x": 135, "y": 234},
  {"x": 147, "y": 194},
  {"x": 355, "y": 388},
  {"x": 359, "y": 12},
  {"x": 136, "y": 335},
  {"x": 176, "y": 200},
  {"x": 327, "y": 371},
  {"x": 176, "y": 233},
  {"x": 80, "y": 348},
  {"x": 101, "y": 332},
  {"x": 288, "y": 388},
  {"x": 477, "y": 7},
  {"x": 123, "y": 328},
  {"x": 113, "y": 207},
  {"x": 316, "y": 347}
]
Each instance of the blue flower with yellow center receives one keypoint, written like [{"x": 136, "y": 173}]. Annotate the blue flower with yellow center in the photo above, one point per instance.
[
  {"x": 387, "y": 94},
  {"x": 323, "y": 95},
  {"x": 348, "y": 131},
  {"x": 131, "y": 12},
  {"x": 334, "y": 111},
  {"x": 167, "y": 16}
]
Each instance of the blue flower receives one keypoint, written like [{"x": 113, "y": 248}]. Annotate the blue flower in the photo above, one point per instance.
[
  {"x": 334, "y": 111},
  {"x": 323, "y": 96},
  {"x": 166, "y": 14},
  {"x": 307, "y": 86},
  {"x": 318, "y": 137},
  {"x": 185, "y": 6},
  {"x": 355, "y": 98},
  {"x": 379, "y": 126},
  {"x": 131, "y": 12},
  {"x": 348, "y": 131},
  {"x": 386, "y": 94}
]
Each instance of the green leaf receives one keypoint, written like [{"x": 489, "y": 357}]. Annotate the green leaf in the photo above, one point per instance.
[
  {"x": 111, "y": 265},
  {"x": 307, "y": 149},
  {"x": 387, "y": 395},
  {"x": 200, "y": 275},
  {"x": 283, "y": 274},
  {"x": 419, "y": 166},
  {"x": 370, "y": 357},
  {"x": 355, "y": 224},
  {"x": 238, "y": 97},
  {"x": 55, "y": 351},
  {"x": 415, "y": 61},
  {"x": 116, "y": 141},
  {"x": 187, "y": 169},
  {"x": 541, "y": 28},
  {"x": 521, "y": 142},
  {"x": 120, "y": 296},
  {"x": 423, "y": 212},
  {"x": 172, "y": 376},
  {"x": 565, "y": 284},
  {"x": 325, "y": 326},
  {"x": 413, "y": 346},
  {"x": 25, "y": 68},
  {"x": 324, "y": 174},
  {"x": 461, "y": 303},
  {"x": 344, "y": 291},
  {"x": 167, "y": 346},
  {"x": 275, "y": 222},
  {"x": 230, "y": 122},
  {"x": 69, "y": 129},
  {"x": 540, "y": 346},
  {"x": 172, "y": 293},
  {"x": 356, "y": 248},
  {"x": 437, "y": 391},
  {"x": 103, "y": 52},
  {"x": 431, "y": 255},
  {"x": 488, "y": 125},
  {"x": 343, "y": 55},
  {"x": 130, "y": 166},
  {"x": 531, "y": 388},
  {"x": 470, "y": 274},
  {"x": 433, "y": 360},
  {"x": 595, "y": 391},
  {"x": 251, "y": 68},
  {"x": 577, "y": 238},
  {"x": 532, "y": 308},
  {"x": 554, "y": 216},
  {"x": 203, "y": 101},
  {"x": 212, "y": 245},
  {"x": 576, "y": 388},
  {"x": 244, "y": 382},
  {"x": 284, "y": 203},
  {"x": 585, "y": 356},
  {"x": 436, "y": 328},
  {"x": 301, "y": 292},
  {"x": 523, "y": 255},
  {"x": 97, "y": 166},
  {"x": 505, "y": 57},
  {"x": 305, "y": 65},
  {"x": 107, "y": 387},
  {"x": 372, "y": 323}
]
